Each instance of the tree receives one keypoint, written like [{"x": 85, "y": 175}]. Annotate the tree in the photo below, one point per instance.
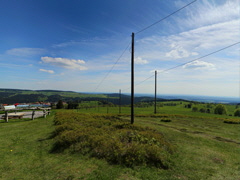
[
  {"x": 220, "y": 109},
  {"x": 237, "y": 112},
  {"x": 53, "y": 106},
  {"x": 72, "y": 105},
  {"x": 60, "y": 104}
]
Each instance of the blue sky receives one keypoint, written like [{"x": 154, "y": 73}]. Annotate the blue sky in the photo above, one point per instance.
[{"x": 74, "y": 45}]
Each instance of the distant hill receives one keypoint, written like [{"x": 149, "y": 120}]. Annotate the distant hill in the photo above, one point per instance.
[{"x": 10, "y": 96}]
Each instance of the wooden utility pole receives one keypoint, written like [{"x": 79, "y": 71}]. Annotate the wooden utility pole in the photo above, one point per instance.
[
  {"x": 155, "y": 106},
  {"x": 132, "y": 81},
  {"x": 120, "y": 99}
]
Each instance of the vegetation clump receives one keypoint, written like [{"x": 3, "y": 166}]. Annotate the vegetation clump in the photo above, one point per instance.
[
  {"x": 195, "y": 109},
  {"x": 110, "y": 138},
  {"x": 220, "y": 109},
  {"x": 60, "y": 104},
  {"x": 166, "y": 120},
  {"x": 237, "y": 112},
  {"x": 232, "y": 121}
]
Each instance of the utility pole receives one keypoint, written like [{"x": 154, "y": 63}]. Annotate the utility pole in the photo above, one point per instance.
[
  {"x": 155, "y": 107},
  {"x": 120, "y": 99},
  {"x": 132, "y": 81}
]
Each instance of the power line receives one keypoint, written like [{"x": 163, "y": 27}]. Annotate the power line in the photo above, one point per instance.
[
  {"x": 140, "y": 82},
  {"x": 166, "y": 17},
  {"x": 186, "y": 63},
  {"x": 200, "y": 57},
  {"x": 112, "y": 67},
  {"x": 138, "y": 33},
  {"x": 144, "y": 80}
]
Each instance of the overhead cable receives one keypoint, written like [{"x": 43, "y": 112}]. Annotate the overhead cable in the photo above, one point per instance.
[
  {"x": 187, "y": 63},
  {"x": 166, "y": 17},
  {"x": 200, "y": 57},
  {"x": 112, "y": 66}
]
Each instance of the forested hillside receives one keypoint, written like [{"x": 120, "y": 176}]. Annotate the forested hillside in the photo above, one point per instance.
[{"x": 9, "y": 96}]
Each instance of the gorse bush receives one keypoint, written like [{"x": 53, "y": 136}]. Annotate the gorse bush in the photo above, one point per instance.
[{"x": 108, "y": 137}]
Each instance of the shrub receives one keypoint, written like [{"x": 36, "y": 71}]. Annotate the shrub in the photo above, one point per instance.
[
  {"x": 166, "y": 120},
  {"x": 232, "y": 121},
  {"x": 237, "y": 112},
  {"x": 188, "y": 106},
  {"x": 220, "y": 109},
  {"x": 208, "y": 111},
  {"x": 195, "y": 109},
  {"x": 110, "y": 138},
  {"x": 202, "y": 110}
]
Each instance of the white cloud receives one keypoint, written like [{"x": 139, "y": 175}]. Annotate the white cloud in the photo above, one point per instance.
[
  {"x": 179, "y": 52},
  {"x": 139, "y": 60},
  {"x": 205, "y": 27},
  {"x": 26, "y": 51},
  {"x": 199, "y": 65},
  {"x": 204, "y": 38},
  {"x": 65, "y": 63},
  {"x": 199, "y": 41},
  {"x": 48, "y": 71}
]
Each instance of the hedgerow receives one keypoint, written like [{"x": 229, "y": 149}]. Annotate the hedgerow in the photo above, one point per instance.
[{"x": 110, "y": 138}]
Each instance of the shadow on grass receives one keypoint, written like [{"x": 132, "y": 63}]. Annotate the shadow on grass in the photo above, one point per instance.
[
  {"x": 15, "y": 120},
  {"x": 19, "y": 120}
]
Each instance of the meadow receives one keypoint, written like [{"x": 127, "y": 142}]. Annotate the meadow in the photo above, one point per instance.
[{"x": 203, "y": 146}]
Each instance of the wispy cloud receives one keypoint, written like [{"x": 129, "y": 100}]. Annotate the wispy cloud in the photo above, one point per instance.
[
  {"x": 48, "y": 71},
  {"x": 26, "y": 51},
  {"x": 189, "y": 43},
  {"x": 208, "y": 12},
  {"x": 65, "y": 44},
  {"x": 179, "y": 52},
  {"x": 64, "y": 63},
  {"x": 94, "y": 41},
  {"x": 202, "y": 28},
  {"x": 199, "y": 65}
]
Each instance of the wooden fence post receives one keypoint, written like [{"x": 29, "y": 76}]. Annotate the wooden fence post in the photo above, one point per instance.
[
  {"x": 6, "y": 116},
  {"x": 33, "y": 113},
  {"x": 44, "y": 113}
]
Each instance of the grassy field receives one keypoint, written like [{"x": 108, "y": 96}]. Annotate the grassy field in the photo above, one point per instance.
[{"x": 206, "y": 147}]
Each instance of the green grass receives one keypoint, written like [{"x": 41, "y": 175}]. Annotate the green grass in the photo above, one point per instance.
[
  {"x": 207, "y": 149},
  {"x": 176, "y": 110},
  {"x": 25, "y": 147}
]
